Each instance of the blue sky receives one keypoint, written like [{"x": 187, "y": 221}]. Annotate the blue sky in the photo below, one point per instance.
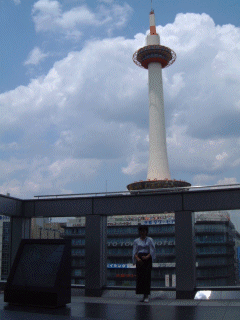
[{"x": 74, "y": 107}]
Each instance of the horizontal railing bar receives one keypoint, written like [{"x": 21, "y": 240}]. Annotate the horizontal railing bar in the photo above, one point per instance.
[
  {"x": 219, "y": 288},
  {"x": 225, "y": 288},
  {"x": 161, "y": 190},
  {"x": 77, "y": 286},
  {"x": 134, "y": 288},
  {"x": 207, "y": 288}
]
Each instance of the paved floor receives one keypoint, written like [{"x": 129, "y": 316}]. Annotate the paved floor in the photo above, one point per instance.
[{"x": 118, "y": 305}]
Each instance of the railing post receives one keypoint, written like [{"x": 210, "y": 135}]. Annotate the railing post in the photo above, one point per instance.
[
  {"x": 95, "y": 255},
  {"x": 185, "y": 254}
]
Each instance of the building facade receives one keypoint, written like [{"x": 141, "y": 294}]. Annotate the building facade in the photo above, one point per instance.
[
  {"x": 4, "y": 246},
  {"x": 43, "y": 229},
  {"x": 216, "y": 251},
  {"x": 216, "y": 241}
]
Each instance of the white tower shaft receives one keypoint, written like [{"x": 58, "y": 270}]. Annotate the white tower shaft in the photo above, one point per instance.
[
  {"x": 158, "y": 167},
  {"x": 158, "y": 162}
]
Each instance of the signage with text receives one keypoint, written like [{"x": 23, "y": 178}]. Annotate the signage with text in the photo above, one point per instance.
[
  {"x": 128, "y": 244},
  {"x": 131, "y": 266},
  {"x": 157, "y": 222},
  {"x": 127, "y": 223}
]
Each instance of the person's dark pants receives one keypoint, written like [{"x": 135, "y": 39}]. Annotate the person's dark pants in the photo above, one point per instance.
[{"x": 143, "y": 275}]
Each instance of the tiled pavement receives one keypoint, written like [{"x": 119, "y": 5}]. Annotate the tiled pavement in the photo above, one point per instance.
[{"x": 125, "y": 305}]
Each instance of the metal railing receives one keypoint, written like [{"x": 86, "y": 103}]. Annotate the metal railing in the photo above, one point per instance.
[{"x": 161, "y": 190}]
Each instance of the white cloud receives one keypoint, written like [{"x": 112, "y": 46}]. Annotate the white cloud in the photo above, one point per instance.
[
  {"x": 49, "y": 16},
  {"x": 236, "y": 162},
  {"x": 17, "y": 1},
  {"x": 203, "y": 179},
  {"x": 9, "y": 146},
  {"x": 72, "y": 169},
  {"x": 35, "y": 57},
  {"x": 220, "y": 159},
  {"x": 12, "y": 187},
  {"x": 106, "y": 1},
  {"x": 41, "y": 176},
  {"x": 11, "y": 166},
  {"x": 134, "y": 167},
  {"x": 227, "y": 181},
  {"x": 91, "y": 109},
  {"x": 198, "y": 156},
  {"x": 177, "y": 84}
]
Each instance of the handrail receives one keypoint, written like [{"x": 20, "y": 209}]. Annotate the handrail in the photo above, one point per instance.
[
  {"x": 206, "y": 288},
  {"x": 135, "y": 192}
]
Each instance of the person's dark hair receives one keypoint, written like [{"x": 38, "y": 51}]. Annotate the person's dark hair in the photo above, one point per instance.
[{"x": 142, "y": 227}]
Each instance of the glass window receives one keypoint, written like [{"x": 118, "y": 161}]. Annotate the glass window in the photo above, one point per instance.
[{"x": 211, "y": 250}]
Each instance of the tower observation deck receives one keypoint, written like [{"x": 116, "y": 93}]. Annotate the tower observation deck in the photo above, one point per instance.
[
  {"x": 154, "y": 53},
  {"x": 155, "y": 57}
]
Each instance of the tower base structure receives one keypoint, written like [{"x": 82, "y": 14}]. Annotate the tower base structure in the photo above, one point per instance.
[{"x": 158, "y": 184}]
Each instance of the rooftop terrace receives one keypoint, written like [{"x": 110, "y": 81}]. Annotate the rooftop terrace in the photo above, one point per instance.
[
  {"x": 94, "y": 301},
  {"x": 120, "y": 304}
]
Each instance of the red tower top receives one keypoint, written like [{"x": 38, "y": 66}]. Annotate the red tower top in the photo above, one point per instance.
[{"x": 154, "y": 52}]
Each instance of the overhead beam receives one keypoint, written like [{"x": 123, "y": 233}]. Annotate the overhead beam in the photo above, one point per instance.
[
  {"x": 69, "y": 207},
  {"x": 10, "y": 206},
  {"x": 212, "y": 200},
  {"x": 137, "y": 204},
  {"x": 194, "y": 201}
]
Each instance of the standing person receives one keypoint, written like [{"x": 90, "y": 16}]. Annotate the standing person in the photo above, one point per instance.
[{"x": 143, "y": 254}]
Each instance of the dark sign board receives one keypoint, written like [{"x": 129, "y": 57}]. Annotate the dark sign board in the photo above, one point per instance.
[{"x": 41, "y": 273}]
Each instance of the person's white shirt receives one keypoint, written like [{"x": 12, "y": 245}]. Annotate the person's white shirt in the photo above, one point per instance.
[{"x": 143, "y": 246}]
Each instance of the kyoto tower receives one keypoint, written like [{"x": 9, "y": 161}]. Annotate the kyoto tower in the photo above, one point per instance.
[{"x": 155, "y": 57}]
